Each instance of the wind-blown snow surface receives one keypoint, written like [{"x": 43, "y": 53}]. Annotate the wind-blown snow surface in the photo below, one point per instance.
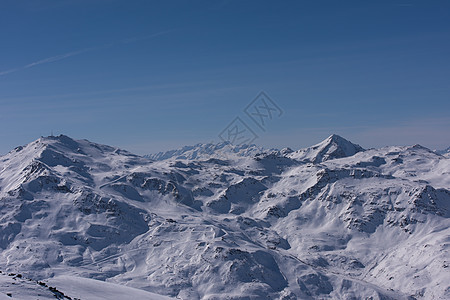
[
  {"x": 18, "y": 287},
  {"x": 331, "y": 221}
]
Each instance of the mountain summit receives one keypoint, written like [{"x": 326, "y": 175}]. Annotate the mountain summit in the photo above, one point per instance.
[{"x": 332, "y": 147}]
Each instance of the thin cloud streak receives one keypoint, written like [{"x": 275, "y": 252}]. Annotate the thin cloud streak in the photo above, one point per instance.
[
  {"x": 146, "y": 37},
  {"x": 78, "y": 52},
  {"x": 48, "y": 60}
]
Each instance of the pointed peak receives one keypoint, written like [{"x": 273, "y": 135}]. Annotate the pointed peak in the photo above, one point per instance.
[
  {"x": 332, "y": 147},
  {"x": 340, "y": 141},
  {"x": 336, "y": 138},
  {"x": 420, "y": 147},
  {"x": 286, "y": 151}
]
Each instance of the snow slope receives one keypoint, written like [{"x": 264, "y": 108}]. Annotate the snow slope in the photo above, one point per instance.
[
  {"x": 68, "y": 287},
  {"x": 85, "y": 288},
  {"x": 333, "y": 221},
  {"x": 14, "y": 286}
]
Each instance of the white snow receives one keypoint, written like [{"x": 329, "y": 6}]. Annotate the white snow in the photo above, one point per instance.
[
  {"x": 332, "y": 147},
  {"x": 332, "y": 221},
  {"x": 209, "y": 150},
  {"x": 85, "y": 288}
]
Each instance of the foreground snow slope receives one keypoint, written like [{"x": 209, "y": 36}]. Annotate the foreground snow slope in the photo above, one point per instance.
[
  {"x": 68, "y": 287},
  {"x": 330, "y": 221},
  {"x": 85, "y": 288}
]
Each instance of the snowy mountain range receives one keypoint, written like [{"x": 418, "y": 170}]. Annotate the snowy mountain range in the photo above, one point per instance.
[
  {"x": 209, "y": 150},
  {"x": 332, "y": 221}
]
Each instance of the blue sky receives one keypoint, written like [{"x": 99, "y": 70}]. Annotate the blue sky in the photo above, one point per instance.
[{"x": 153, "y": 75}]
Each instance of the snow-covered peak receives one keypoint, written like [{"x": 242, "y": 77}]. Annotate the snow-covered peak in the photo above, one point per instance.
[
  {"x": 203, "y": 151},
  {"x": 61, "y": 158},
  {"x": 68, "y": 146},
  {"x": 65, "y": 151},
  {"x": 332, "y": 147}
]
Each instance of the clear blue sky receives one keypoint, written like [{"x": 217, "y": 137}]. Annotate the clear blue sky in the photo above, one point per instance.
[{"x": 154, "y": 75}]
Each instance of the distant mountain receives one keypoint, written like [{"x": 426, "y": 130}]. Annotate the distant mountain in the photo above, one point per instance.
[
  {"x": 331, "y": 148},
  {"x": 209, "y": 150},
  {"x": 332, "y": 221},
  {"x": 445, "y": 152}
]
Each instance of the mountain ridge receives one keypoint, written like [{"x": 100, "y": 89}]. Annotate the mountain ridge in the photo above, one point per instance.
[
  {"x": 340, "y": 148},
  {"x": 208, "y": 150}
]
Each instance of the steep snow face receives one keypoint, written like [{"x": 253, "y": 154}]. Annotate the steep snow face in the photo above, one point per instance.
[
  {"x": 331, "y": 148},
  {"x": 209, "y": 150},
  {"x": 331, "y": 222}
]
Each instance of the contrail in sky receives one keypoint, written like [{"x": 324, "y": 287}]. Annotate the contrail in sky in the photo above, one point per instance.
[{"x": 74, "y": 53}]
